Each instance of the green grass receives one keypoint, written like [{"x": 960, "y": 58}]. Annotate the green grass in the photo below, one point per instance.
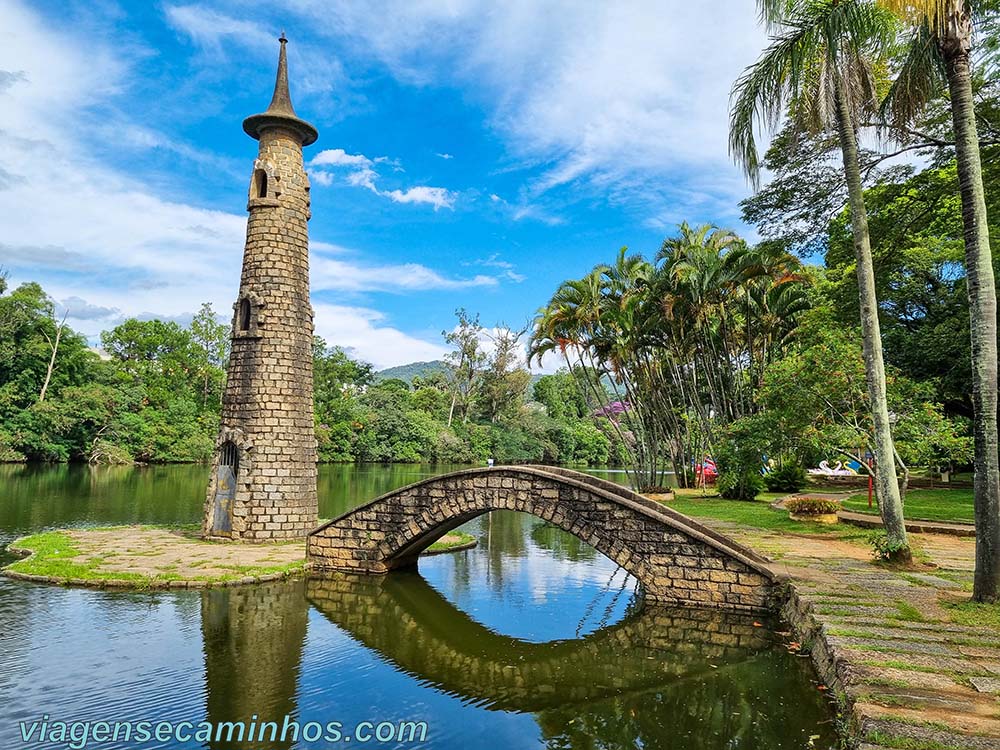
[
  {"x": 907, "y": 612},
  {"x": 460, "y": 539},
  {"x": 905, "y": 666},
  {"x": 756, "y": 513},
  {"x": 925, "y": 505},
  {"x": 241, "y": 571},
  {"x": 55, "y": 556},
  {"x": 975, "y": 614},
  {"x": 906, "y": 743}
]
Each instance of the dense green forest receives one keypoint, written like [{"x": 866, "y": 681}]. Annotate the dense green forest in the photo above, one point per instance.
[{"x": 152, "y": 393}]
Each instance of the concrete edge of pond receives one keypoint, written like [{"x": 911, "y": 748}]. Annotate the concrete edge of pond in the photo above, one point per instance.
[
  {"x": 830, "y": 668},
  {"x": 293, "y": 562}
]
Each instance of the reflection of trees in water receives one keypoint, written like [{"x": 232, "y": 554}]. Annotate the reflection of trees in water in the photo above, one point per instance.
[
  {"x": 768, "y": 701},
  {"x": 502, "y": 535},
  {"x": 342, "y": 487},
  {"x": 563, "y": 545},
  {"x": 506, "y": 536},
  {"x": 619, "y": 584},
  {"x": 253, "y": 639},
  {"x": 103, "y": 494}
]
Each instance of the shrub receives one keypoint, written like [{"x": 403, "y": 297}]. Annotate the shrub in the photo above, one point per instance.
[
  {"x": 883, "y": 549},
  {"x": 739, "y": 485},
  {"x": 789, "y": 477},
  {"x": 592, "y": 445},
  {"x": 812, "y": 506},
  {"x": 654, "y": 489}
]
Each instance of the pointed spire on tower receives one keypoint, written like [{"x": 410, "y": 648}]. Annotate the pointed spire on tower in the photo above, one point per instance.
[{"x": 280, "y": 113}]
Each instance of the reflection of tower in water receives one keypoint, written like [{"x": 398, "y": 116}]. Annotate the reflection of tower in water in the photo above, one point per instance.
[{"x": 253, "y": 640}]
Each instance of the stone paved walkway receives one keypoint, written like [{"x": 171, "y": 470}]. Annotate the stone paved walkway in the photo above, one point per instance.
[{"x": 912, "y": 676}]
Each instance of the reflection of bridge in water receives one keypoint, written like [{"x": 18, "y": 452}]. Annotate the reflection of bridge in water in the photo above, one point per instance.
[
  {"x": 659, "y": 678},
  {"x": 408, "y": 623}
]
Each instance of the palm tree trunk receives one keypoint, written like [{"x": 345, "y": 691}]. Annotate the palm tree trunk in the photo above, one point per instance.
[
  {"x": 982, "y": 306},
  {"x": 889, "y": 500}
]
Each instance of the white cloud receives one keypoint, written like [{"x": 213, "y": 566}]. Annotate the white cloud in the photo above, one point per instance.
[
  {"x": 79, "y": 309},
  {"x": 360, "y": 172},
  {"x": 331, "y": 274},
  {"x": 337, "y": 157},
  {"x": 208, "y": 28},
  {"x": 321, "y": 178},
  {"x": 363, "y": 333},
  {"x": 319, "y": 73},
  {"x": 108, "y": 245},
  {"x": 445, "y": 156},
  {"x": 494, "y": 261},
  {"x": 617, "y": 98},
  {"x": 435, "y": 196}
]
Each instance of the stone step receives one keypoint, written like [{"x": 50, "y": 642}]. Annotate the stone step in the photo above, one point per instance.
[{"x": 894, "y": 733}]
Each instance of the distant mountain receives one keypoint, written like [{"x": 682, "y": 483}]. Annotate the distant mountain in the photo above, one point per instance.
[{"x": 413, "y": 370}]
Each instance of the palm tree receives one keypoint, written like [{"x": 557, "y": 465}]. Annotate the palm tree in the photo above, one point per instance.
[
  {"x": 818, "y": 68},
  {"x": 940, "y": 48}
]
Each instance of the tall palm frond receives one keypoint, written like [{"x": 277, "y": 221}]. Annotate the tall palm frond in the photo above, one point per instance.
[
  {"x": 921, "y": 77},
  {"x": 819, "y": 43}
]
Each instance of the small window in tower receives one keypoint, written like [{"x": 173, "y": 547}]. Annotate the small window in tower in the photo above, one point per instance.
[
  {"x": 229, "y": 455},
  {"x": 260, "y": 183},
  {"x": 244, "y": 314}
]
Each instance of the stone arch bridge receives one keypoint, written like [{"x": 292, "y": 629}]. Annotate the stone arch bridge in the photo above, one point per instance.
[{"x": 675, "y": 559}]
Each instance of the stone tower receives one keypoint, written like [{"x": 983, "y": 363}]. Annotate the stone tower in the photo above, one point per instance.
[{"x": 263, "y": 483}]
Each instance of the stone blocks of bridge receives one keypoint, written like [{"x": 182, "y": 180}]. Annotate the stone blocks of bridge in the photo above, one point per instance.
[{"x": 675, "y": 559}]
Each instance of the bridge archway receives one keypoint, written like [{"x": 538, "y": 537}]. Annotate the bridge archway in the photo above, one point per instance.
[{"x": 675, "y": 559}]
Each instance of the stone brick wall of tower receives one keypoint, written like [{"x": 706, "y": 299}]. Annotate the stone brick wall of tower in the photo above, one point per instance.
[{"x": 268, "y": 402}]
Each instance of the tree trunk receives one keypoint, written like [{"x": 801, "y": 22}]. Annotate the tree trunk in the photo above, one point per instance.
[
  {"x": 982, "y": 305},
  {"x": 890, "y": 502},
  {"x": 52, "y": 360}
]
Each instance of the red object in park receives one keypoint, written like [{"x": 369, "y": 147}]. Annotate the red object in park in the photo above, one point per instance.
[{"x": 706, "y": 472}]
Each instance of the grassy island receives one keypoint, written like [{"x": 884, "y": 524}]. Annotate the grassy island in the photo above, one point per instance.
[{"x": 149, "y": 557}]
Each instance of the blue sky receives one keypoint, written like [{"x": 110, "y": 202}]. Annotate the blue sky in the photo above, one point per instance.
[{"x": 471, "y": 154}]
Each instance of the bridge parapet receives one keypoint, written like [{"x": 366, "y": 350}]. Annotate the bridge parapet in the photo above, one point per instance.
[{"x": 675, "y": 559}]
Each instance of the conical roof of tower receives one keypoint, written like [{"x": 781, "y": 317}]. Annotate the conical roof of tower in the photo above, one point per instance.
[{"x": 280, "y": 113}]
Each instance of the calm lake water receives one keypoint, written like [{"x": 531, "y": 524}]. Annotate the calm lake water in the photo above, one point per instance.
[{"x": 531, "y": 640}]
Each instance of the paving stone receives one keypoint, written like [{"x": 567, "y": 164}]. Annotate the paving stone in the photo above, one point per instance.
[
  {"x": 941, "y": 583},
  {"x": 986, "y": 684},
  {"x": 916, "y": 735},
  {"x": 896, "y": 645}
]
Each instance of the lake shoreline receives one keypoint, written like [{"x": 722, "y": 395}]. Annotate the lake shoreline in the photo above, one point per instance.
[{"x": 163, "y": 557}]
